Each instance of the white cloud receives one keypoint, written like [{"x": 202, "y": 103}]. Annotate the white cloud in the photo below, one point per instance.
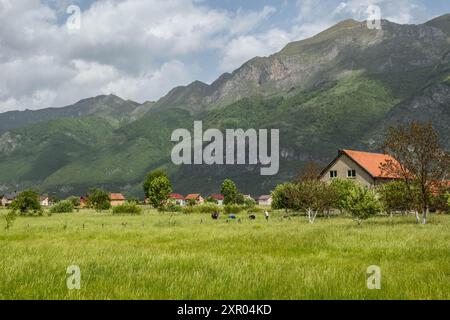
[{"x": 139, "y": 49}]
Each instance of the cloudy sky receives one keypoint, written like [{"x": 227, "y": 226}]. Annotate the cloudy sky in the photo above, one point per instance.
[{"x": 140, "y": 49}]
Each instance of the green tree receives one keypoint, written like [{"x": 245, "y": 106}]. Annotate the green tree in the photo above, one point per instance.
[
  {"x": 395, "y": 197},
  {"x": 74, "y": 200},
  {"x": 99, "y": 200},
  {"x": 342, "y": 189},
  {"x": 362, "y": 204},
  {"x": 315, "y": 197},
  {"x": 65, "y": 206},
  {"x": 286, "y": 196},
  {"x": 229, "y": 192},
  {"x": 159, "y": 191},
  {"x": 27, "y": 203},
  {"x": 149, "y": 179}
]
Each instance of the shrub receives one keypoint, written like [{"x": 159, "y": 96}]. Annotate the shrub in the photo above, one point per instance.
[
  {"x": 233, "y": 209},
  {"x": 249, "y": 203},
  {"x": 127, "y": 208},
  {"x": 75, "y": 201},
  {"x": 361, "y": 203},
  {"x": 65, "y": 206},
  {"x": 204, "y": 208},
  {"x": 172, "y": 208}
]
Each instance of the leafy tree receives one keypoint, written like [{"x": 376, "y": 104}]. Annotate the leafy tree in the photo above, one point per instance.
[
  {"x": 159, "y": 191},
  {"x": 149, "y": 179},
  {"x": 315, "y": 197},
  {"x": 99, "y": 200},
  {"x": 285, "y": 196},
  {"x": 396, "y": 197},
  {"x": 27, "y": 203},
  {"x": 74, "y": 200},
  {"x": 65, "y": 206},
  {"x": 229, "y": 191},
  {"x": 362, "y": 203},
  {"x": 341, "y": 189},
  {"x": 440, "y": 199},
  {"x": 421, "y": 160}
]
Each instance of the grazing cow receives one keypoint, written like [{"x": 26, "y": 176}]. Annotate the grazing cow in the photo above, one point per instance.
[
  {"x": 215, "y": 216},
  {"x": 252, "y": 217}
]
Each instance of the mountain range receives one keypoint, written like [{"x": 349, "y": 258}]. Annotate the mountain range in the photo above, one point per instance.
[{"x": 338, "y": 89}]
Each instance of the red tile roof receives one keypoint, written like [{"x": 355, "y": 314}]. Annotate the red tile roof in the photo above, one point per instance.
[
  {"x": 371, "y": 162},
  {"x": 117, "y": 197},
  {"x": 176, "y": 196},
  {"x": 217, "y": 196},
  {"x": 193, "y": 196}
]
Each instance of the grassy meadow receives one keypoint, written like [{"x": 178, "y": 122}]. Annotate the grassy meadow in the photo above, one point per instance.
[{"x": 165, "y": 256}]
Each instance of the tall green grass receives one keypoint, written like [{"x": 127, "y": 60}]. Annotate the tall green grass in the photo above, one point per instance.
[{"x": 165, "y": 256}]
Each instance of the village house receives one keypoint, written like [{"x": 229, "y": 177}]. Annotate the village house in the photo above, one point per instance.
[
  {"x": 265, "y": 200},
  {"x": 84, "y": 201},
  {"x": 116, "y": 199},
  {"x": 45, "y": 201},
  {"x": 218, "y": 197},
  {"x": 195, "y": 197},
  {"x": 364, "y": 167},
  {"x": 7, "y": 199},
  {"x": 176, "y": 199}
]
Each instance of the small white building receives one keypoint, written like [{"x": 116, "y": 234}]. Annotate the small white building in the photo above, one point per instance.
[
  {"x": 45, "y": 201},
  {"x": 265, "y": 200}
]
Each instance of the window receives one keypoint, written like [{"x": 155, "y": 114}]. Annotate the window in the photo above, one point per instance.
[
  {"x": 351, "y": 174},
  {"x": 333, "y": 174}
]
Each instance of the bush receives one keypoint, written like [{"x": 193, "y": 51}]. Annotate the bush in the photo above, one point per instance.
[
  {"x": 361, "y": 203},
  {"x": 233, "y": 209},
  {"x": 65, "y": 206},
  {"x": 75, "y": 201},
  {"x": 204, "y": 208},
  {"x": 249, "y": 203},
  {"x": 127, "y": 208},
  {"x": 172, "y": 208}
]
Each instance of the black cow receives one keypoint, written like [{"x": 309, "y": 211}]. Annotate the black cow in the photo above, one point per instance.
[
  {"x": 215, "y": 216},
  {"x": 252, "y": 217}
]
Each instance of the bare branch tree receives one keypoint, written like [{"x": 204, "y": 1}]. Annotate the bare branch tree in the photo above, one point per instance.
[{"x": 421, "y": 162}]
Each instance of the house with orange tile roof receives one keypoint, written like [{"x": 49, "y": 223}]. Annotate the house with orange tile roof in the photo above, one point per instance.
[
  {"x": 364, "y": 167},
  {"x": 116, "y": 199},
  {"x": 194, "y": 197},
  {"x": 176, "y": 199}
]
